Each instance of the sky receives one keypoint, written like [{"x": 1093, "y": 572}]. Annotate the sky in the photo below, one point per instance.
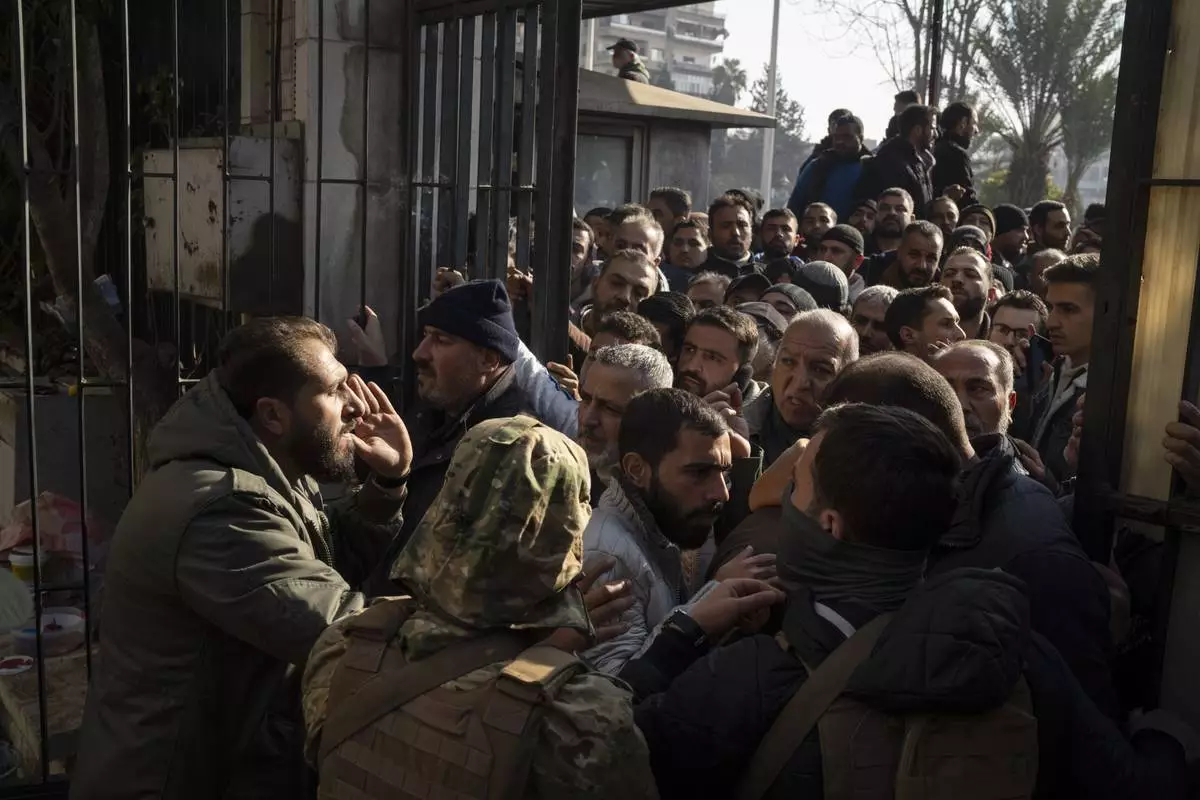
[{"x": 822, "y": 65}]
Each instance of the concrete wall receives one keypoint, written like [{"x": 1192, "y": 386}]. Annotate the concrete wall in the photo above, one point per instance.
[{"x": 335, "y": 95}]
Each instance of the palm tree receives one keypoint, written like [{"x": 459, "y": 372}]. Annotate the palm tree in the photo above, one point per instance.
[{"x": 729, "y": 82}]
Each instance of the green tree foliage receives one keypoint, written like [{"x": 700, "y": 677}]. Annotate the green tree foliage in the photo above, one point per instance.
[
  {"x": 729, "y": 82},
  {"x": 1034, "y": 54}
]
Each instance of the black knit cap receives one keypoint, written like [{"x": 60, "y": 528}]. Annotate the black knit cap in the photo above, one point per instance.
[
  {"x": 753, "y": 279},
  {"x": 669, "y": 308},
  {"x": 846, "y": 235},
  {"x": 1009, "y": 218},
  {"x": 479, "y": 312},
  {"x": 867, "y": 202},
  {"x": 766, "y": 315}
]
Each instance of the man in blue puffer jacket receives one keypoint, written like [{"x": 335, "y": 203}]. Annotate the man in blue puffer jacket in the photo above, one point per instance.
[{"x": 831, "y": 177}]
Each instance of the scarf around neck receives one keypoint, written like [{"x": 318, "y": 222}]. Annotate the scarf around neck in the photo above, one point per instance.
[{"x": 835, "y": 570}]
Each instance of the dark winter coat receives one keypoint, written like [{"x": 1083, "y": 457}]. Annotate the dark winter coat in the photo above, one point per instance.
[
  {"x": 434, "y": 439},
  {"x": 952, "y": 165},
  {"x": 829, "y": 179},
  {"x": 896, "y": 164},
  {"x": 1052, "y": 410},
  {"x": 960, "y": 642},
  {"x": 1009, "y": 521}
]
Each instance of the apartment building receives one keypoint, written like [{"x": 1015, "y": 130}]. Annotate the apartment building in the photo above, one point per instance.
[{"x": 686, "y": 41}]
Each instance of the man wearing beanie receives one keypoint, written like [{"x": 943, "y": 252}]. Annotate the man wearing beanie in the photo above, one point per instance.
[
  {"x": 670, "y": 313},
  {"x": 981, "y": 217},
  {"x": 464, "y": 376},
  {"x": 843, "y": 247},
  {"x": 863, "y": 217},
  {"x": 826, "y": 283},
  {"x": 1012, "y": 234},
  {"x": 789, "y": 300}
]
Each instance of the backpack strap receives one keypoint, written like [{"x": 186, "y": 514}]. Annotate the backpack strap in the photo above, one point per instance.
[
  {"x": 386, "y": 691},
  {"x": 805, "y": 708},
  {"x": 524, "y": 688}
]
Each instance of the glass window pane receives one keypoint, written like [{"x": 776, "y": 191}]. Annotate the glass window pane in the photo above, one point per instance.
[
  {"x": 602, "y": 171},
  {"x": 1177, "y": 150}
]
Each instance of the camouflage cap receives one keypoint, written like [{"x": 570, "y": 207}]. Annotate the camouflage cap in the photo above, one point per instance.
[{"x": 502, "y": 543}]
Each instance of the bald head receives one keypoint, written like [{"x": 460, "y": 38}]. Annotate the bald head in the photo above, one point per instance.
[
  {"x": 816, "y": 347},
  {"x": 900, "y": 379}
]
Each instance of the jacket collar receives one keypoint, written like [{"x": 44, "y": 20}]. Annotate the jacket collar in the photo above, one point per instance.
[
  {"x": 625, "y": 500},
  {"x": 996, "y": 458},
  {"x": 443, "y": 428}
]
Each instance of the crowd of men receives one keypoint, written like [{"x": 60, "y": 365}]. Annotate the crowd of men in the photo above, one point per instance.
[{"x": 793, "y": 520}]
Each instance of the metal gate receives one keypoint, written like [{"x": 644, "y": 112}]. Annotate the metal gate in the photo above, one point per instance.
[{"x": 179, "y": 166}]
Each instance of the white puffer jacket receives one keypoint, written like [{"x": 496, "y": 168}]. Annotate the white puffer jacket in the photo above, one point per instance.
[{"x": 623, "y": 528}]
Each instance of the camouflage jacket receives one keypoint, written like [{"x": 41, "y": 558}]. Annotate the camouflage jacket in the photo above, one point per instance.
[
  {"x": 500, "y": 548},
  {"x": 635, "y": 71}
]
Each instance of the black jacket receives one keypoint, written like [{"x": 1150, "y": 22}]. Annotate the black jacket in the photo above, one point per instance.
[
  {"x": 896, "y": 164},
  {"x": 959, "y": 643},
  {"x": 434, "y": 438},
  {"x": 730, "y": 269},
  {"x": 1007, "y": 520},
  {"x": 952, "y": 165}
]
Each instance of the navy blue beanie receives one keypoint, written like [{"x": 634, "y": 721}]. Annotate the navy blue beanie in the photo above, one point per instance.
[{"x": 479, "y": 312}]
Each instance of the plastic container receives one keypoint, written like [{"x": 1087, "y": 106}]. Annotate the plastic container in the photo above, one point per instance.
[
  {"x": 21, "y": 561},
  {"x": 62, "y": 631}
]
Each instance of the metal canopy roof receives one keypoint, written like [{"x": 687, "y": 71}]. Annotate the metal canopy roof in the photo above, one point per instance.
[
  {"x": 608, "y": 94},
  {"x": 606, "y": 8}
]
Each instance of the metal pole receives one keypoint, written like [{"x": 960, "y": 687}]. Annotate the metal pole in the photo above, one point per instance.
[
  {"x": 768, "y": 157},
  {"x": 935, "y": 51},
  {"x": 590, "y": 59}
]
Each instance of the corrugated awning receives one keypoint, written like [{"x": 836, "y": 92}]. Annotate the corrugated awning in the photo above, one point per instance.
[{"x": 608, "y": 94}]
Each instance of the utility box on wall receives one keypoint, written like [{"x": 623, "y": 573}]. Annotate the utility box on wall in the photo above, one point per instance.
[{"x": 265, "y": 272}]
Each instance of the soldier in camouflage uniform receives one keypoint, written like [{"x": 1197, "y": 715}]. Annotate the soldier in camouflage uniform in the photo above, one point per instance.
[{"x": 497, "y": 554}]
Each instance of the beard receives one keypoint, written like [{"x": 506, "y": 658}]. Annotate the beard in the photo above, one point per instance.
[
  {"x": 324, "y": 453},
  {"x": 733, "y": 250},
  {"x": 776, "y": 249},
  {"x": 689, "y": 529},
  {"x": 970, "y": 307},
  {"x": 692, "y": 382},
  {"x": 601, "y": 461},
  {"x": 889, "y": 226}
]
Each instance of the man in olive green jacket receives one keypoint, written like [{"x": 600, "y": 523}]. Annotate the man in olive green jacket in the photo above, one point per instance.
[{"x": 226, "y": 567}]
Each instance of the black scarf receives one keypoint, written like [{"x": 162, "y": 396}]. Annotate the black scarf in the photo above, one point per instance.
[{"x": 837, "y": 571}]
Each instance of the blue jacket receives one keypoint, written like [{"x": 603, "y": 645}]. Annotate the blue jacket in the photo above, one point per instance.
[{"x": 828, "y": 179}]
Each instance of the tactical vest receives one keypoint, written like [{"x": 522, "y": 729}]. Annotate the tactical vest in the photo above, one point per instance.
[
  {"x": 867, "y": 754},
  {"x": 394, "y": 732}
]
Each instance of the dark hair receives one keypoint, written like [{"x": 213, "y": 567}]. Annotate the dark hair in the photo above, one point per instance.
[
  {"x": 654, "y": 419},
  {"x": 779, "y": 212},
  {"x": 940, "y": 199},
  {"x": 954, "y": 114},
  {"x": 673, "y": 309},
  {"x": 913, "y": 116},
  {"x": 987, "y": 268},
  {"x": 907, "y": 96},
  {"x": 780, "y": 266},
  {"x": 1078, "y": 268},
  {"x": 850, "y": 119},
  {"x": 910, "y": 308},
  {"x": 266, "y": 358},
  {"x": 1040, "y": 213},
  {"x": 1024, "y": 300},
  {"x": 598, "y": 211},
  {"x": 897, "y": 191},
  {"x": 678, "y": 200},
  {"x": 902, "y": 379},
  {"x": 838, "y": 113},
  {"x": 741, "y": 326},
  {"x": 1094, "y": 212},
  {"x": 691, "y": 222},
  {"x": 752, "y": 197},
  {"x": 633, "y": 256},
  {"x": 898, "y": 459},
  {"x": 926, "y": 229},
  {"x": 634, "y": 329},
  {"x": 580, "y": 225},
  {"x": 824, "y": 205},
  {"x": 730, "y": 200}
]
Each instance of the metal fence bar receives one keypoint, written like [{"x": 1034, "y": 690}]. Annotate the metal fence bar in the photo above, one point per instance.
[
  {"x": 429, "y": 99},
  {"x": 525, "y": 154},
  {"x": 175, "y": 234},
  {"x": 406, "y": 330},
  {"x": 320, "y": 168},
  {"x": 80, "y": 405},
  {"x": 448, "y": 220},
  {"x": 366, "y": 161},
  {"x": 132, "y": 453},
  {"x": 466, "y": 116},
  {"x": 276, "y": 66},
  {"x": 226, "y": 185},
  {"x": 506, "y": 44},
  {"x": 484, "y": 197},
  {"x": 30, "y": 411}
]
